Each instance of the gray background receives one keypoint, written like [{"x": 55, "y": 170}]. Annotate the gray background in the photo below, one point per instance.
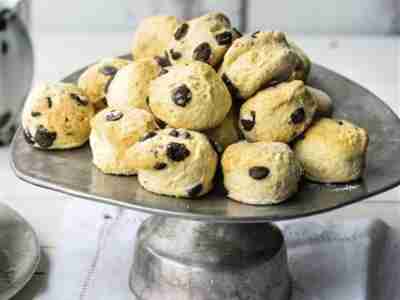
[{"x": 310, "y": 16}]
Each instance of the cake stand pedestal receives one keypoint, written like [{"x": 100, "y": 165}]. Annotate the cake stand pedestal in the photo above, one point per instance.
[{"x": 180, "y": 259}]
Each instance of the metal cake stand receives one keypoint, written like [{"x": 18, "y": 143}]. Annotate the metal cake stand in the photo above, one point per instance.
[{"x": 214, "y": 248}]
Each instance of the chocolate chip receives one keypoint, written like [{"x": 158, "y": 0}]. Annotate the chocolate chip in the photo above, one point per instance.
[
  {"x": 258, "y": 172},
  {"x": 49, "y": 102},
  {"x": 177, "y": 151},
  {"x": 160, "y": 166},
  {"x": 79, "y": 100},
  {"x": 181, "y": 95},
  {"x": 298, "y": 115},
  {"x": 174, "y": 133},
  {"x": 238, "y": 33},
  {"x": 224, "y": 38},
  {"x": 109, "y": 70},
  {"x": 186, "y": 135},
  {"x": 249, "y": 124},
  {"x": 195, "y": 190},
  {"x": 44, "y": 138},
  {"x": 202, "y": 52},
  {"x": 224, "y": 19},
  {"x": 114, "y": 115},
  {"x": 175, "y": 54},
  {"x": 148, "y": 135},
  {"x": 161, "y": 123},
  {"x": 340, "y": 123},
  {"x": 181, "y": 31},
  {"x": 162, "y": 72},
  {"x": 36, "y": 114},
  {"x": 254, "y": 34},
  {"x": 4, "y": 47},
  {"x": 233, "y": 90},
  {"x": 5, "y": 118},
  {"x": 163, "y": 61},
  {"x": 28, "y": 136}
]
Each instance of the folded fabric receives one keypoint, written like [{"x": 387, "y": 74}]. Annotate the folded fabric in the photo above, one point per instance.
[{"x": 352, "y": 260}]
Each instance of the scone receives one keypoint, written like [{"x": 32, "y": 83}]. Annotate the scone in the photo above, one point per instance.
[
  {"x": 332, "y": 151},
  {"x": 153, "y": 35},
  {"x": 255, "y": 61},
  {"x": 227, "y": 132},
  {"x": 130, "y": 87},
  {"x": 113, "y": 132},
  {"x": 57, "y": 116},
  {"x": 175, "y": 162},
  {"x": 324, "y": 102},
  {"x": 260, "y": 173},
  {"x": 205, "y": 38},
  {"x": 96, "y": 79},
  {"x": 190, "y": 95},
  {"x": 277, "y": 114},
  {"x": 303, "y": 66}
]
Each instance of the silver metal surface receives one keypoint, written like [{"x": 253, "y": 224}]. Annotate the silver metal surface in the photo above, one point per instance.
[
  {"x": 19, "y": 252},
  {"x": 16, "y": 64},
  {"x": 178, "y": 259},
  {"x": 72, "y": 172}
]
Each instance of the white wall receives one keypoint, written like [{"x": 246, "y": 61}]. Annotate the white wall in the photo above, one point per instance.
[{"x": 307, "y": 16}]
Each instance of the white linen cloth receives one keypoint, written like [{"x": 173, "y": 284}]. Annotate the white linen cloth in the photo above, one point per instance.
[{"x": 327, "y": 260}]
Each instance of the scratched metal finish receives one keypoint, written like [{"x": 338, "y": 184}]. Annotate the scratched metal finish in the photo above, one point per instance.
[
  {"x": 19, "y": 252},
  {"x": 177, "y": 259},
  {"x": 72, "y": 171}
]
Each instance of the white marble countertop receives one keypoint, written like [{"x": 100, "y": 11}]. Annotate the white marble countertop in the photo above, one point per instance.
[{"x": 374, "y": 62}]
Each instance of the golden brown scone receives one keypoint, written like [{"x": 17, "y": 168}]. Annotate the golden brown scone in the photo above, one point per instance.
[
  {"x": 130, "y": 86},
  {"x": 96, "y": 79},
  {"x": 324, "y": 102},
  {"x": 190, "y": 95},
  {"x": 153, "y": 35},
  {"x": 332, "y": 151},
  {"x": 227, "y": 132},
  {"x": 303, "y": 66},
  {"x": 175, "y": 162},
  {"x": 277, "y": 114},
  {"x": 113, "y": 132},
  {"x": 57, "y": 116},
  {"x": 260, "y": 173},
  {"x": 255, "y": 61},
  {"x": 205, "y": 38}
]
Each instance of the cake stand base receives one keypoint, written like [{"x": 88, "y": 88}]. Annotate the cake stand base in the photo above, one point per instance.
[{"x": 177, "y": 259}]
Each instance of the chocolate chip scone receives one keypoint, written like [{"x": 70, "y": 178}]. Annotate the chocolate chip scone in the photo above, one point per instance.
[
  {"x": 190, "y": 95},
  {"x": 153, "y": 35},
  {"x": 175, "y": 162},
  {"x": 260, "y": 173},
  {"x": 256, "y": 61},
  {"x": 57, "y": 116},
  {"x": 227, "y": 132},
  {"x": 205, "y": 38},
  {"x": 130, "y": 86},
  {"x": 324, "y": 102},
  {"x": 332, "y": 151},
  {"x": 277, "y": 114},
  {"x": 95, "y": 80},
  {"x": 113, "y": 132},
  {"x": 303, "y": 66}
]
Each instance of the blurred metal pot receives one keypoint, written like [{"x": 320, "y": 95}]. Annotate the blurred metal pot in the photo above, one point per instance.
[{"x": 16, "y": 63}]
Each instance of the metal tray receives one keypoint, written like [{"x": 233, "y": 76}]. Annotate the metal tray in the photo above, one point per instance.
[{"x": 72, "y": 171}]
